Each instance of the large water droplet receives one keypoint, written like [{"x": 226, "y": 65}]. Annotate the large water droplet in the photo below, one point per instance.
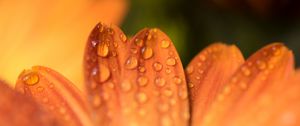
[
  {"x": 141, "y": 97},
  {"x": 165, "y": 43},
  {"x": 160, "y": 82},
  {"x": 147, "y": 52},
  {"x": 31, "y": 79},
  {"x": 171, "y": 61},
  {"x": 126, "y": 86},
  {"x": 157, "y": 66},
  {"x": 131, "y": 63},
  {"x": 102, "y": 49},
  {"x": 142, "y": 81},
  {"x": 104, "y": 73}
]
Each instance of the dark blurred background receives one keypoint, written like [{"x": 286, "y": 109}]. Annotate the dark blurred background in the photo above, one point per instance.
[{"x": 194, "y": 24}]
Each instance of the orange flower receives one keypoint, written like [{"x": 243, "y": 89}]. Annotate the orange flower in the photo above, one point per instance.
[
  {"x": 49, "y": 31},
  {"x": 141, "y": 82}
]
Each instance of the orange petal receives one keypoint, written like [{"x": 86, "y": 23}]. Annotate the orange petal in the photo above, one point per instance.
[
  {"x": 19, "y": 110},
  {"x": 32, "y": 32},
  {"x": 56, "y": 94},
  {"x": 135, "y": 82},
  {"x": 271, "y": 64},
  {"x": 208, "y": 72}
]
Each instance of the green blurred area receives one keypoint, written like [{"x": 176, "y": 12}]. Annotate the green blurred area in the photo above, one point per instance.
[{"x": 194, "y": 24}]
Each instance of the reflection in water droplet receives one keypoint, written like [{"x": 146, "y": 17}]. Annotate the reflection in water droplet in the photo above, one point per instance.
[
  {"x": 131, "y": 63},
  {"x": 160, "y": 82},
  {"x": 102, "y": 49},
  {"x": 171, "y": 61},
  {"x": 147, "y": 52},
  {"x": 157, "y": 66},
  {"x": 104, "y": 73},
  {"x": 165, "y": 44},
  {"x": 31, "y": 79},
  {"x": 142, "y": 81}
]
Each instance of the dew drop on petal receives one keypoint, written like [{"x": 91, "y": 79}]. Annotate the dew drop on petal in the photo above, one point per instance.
[
  {"x": 139, "y": 42},
  {"x": 147, "y": 52},
  {"x": 142, "y": 69},
  {"x": 141, "y": 97},
  {"x": 104, "y": 73},
  {"x": 165, "y": 43},
  {"x": 160, "y": 82},
  {"x": 40, "y": 89},
  {"x": 142, "y": 81},
  {"x": 123, "y": 37},
  {"x": 177, "y": 80},
  {"x": 246, "y": 71},
  {"x": 171, "y": 61},
  {"x": 157, "y": 66},
  {"x": 102, "y": 50},
  {"x": 126, "y": 86},
  {"x": 31, "y": 79},
  {"x": 260, "y": 64},
  {"x": 190, "y": 69},
  {"x": 131, "y": 62}
]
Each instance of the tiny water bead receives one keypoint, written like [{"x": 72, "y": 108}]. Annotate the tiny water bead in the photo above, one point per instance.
[
  {"x": 102, "y": 50},
  {"x": 190, "y": 69},
  {"x": 131, "y": 62},
  {"x": 31, "y": 78},
  {"x": 40, "y": 89},
  {"x": 246, "y": 71},
  {"x": 147, "y": 52},
  {"x": 126, "y": 86},
  {"x": 141, "y": 97},
  {"x": 139, "y": 42},
  {"x": 123, "y": 37},
  {"x": 261, "y": 64},
  {"x": 165, "y": 43},
  {"x": 177, "y": 80}
]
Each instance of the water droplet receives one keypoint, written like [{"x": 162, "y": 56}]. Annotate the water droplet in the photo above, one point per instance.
[
  {"x": 190, "y": 69},
  {"x": 191, "y": 85},
  {"x": 166, "y": 121},
  {"x": 142, "y": 81},
  {"x": 165, "y": 43},
  {"x": 160, "y": 82},
  {"x": 261, "y": 64},
  {"x": 131, "y": 63},
  {"x": 157, "y": 66},
  {"x": 163, "y": 107},
  {"x": 186, "y": 115},
  {"x": 227, "y": 89},
  {"x": 171, "y": 61},
  {"x": 200, "y": 71},
  {"x": 102, "y": 49},
  {"x": 110, "y": 85},
  {"x": 104, "y": 73},
  {"x": 123, "y": 37},
  {"x": 147, "y": 52},
  {"x": 276, "y": 51},
  {"x": 126, "y": 86},
  {"x": 31, "y": 79},
  {"x": 177, "y": 80},
  {"x": 149, "y": 36},
  {"x": 141, "y": 97},
  {"x": 40, "y": 89},
  {"x": 133, "y": 50},
  {"x": 183, "y": 94},
  {"x": 105, "y": 96},
  {"x": 62, "y": 110},
  {"x": 115, "y": 44},
  {"x": 202, "y": 57},
  {"x": 142, "y": 112},
  {"x": 139, "y": 42},
  {"x": 246, "y": 71},
  {"x": 142, "y": 69},
  {"x": 96, "y": 101},
  {"x": 168, "y": 92},
  {"x": 168, "y": 71}
]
